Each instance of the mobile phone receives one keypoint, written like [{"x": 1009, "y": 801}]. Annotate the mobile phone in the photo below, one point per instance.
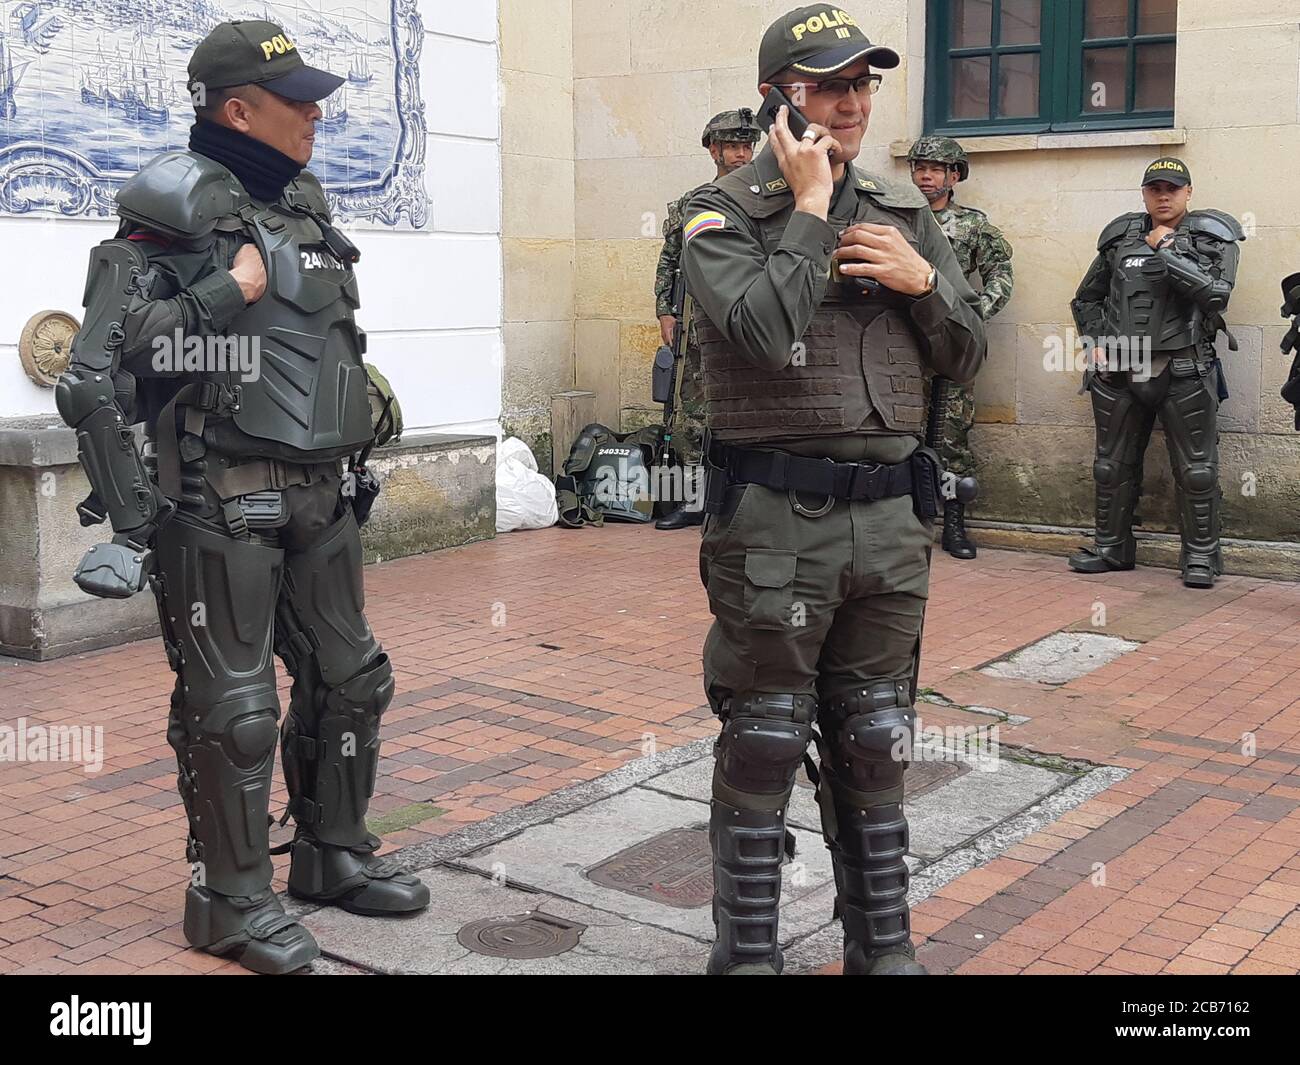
[{"x": 772, "y": 103}]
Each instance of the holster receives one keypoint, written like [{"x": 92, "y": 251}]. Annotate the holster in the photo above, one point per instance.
[
  {"x": 365, "y": 490},
  {"x": 927, "y": 484},
  {"x": 715, "y": 479}
]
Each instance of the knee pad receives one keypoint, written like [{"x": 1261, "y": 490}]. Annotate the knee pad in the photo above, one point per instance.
[
  {"x": 869, "y": 731},
  {"x": 368, "y": 692},
  {"x": 764, "y": 738},
  {"x": 1200, "y": 478},
  {"x": 226, "y": 759},
  {"x": 1108, "y": 473}
]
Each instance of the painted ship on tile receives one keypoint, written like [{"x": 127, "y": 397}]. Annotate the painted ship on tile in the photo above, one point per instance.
[{"x": 91, "y": 89}]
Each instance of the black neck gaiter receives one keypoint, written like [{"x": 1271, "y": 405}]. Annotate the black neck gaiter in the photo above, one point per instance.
[{"x": 262, "y": 170}]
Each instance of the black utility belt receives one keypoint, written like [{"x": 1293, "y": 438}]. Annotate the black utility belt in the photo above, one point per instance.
[{"x": 918, "y": 475}]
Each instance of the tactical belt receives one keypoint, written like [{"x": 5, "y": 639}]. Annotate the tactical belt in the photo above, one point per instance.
[
  {"x": 782, "y": 471},
  {"x": 261, "y": 475}
]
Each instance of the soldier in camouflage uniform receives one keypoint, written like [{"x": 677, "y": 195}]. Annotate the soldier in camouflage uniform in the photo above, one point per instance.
[
  {"x": 730, "y": 138},
  {"x": 938, "y": 163}
]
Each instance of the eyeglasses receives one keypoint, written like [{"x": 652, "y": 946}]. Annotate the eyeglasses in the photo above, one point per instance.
[{"x": 834, "y": 88}]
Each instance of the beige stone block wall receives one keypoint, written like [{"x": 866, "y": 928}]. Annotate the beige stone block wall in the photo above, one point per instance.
[{"x": 538, "y": 210}]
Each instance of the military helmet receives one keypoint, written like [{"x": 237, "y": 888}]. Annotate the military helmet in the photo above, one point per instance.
[
  {"x": 732, "y": 126},
  {"x": 941, "y": 150}
]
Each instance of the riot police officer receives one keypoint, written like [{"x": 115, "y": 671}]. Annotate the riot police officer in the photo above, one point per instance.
[
  {"x": 938, "y": 164},
  {"x": 730, "y": 138},
  {"x": 1151, "y": 305},
  {"x": 825, "y": 295},
  {"x": 241, "y": 518}
]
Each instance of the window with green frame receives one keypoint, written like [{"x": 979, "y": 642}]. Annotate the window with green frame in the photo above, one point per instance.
[{"x": 1034, "y": 66}]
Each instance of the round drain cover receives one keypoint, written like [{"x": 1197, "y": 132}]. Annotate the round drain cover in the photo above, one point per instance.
[{"x": 529, "y": 935}]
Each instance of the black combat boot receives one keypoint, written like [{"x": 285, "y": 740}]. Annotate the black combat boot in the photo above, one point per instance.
[
  {"x": 955, "y": 540},
  {"x": 252, "y": 929},
  {"x": 681, "y": 518},
  {"x": 1103, "y": 558}
]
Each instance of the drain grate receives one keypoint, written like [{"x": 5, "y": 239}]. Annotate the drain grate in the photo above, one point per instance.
[
  {"x": 522, "y": 937},
  {"x": 674, "y": 868}
]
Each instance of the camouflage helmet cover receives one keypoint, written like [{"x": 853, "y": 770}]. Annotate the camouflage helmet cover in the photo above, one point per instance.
[
  {"x": 941, "y": 150},
  {"x": 732, "y": 126}
]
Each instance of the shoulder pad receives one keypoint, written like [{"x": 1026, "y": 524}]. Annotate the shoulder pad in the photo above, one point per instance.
[
  {"x": 890, "y": 193},
  {"x": 181, "y": 194},
  {"x": 307, "y": 189},
  {"x": 1216, "y": 223},
  {"x": 1117, "y": 229},
  {"x": 961, "y": 208}
]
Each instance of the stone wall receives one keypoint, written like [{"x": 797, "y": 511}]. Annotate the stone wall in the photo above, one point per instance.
[{"x": 537, "y": 214}]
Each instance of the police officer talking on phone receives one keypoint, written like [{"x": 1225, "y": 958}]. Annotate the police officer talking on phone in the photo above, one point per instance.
[{"x": 825, "y": 296}]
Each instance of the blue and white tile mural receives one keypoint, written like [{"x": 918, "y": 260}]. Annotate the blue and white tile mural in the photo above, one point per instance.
[{"x": 90, "y": 90}]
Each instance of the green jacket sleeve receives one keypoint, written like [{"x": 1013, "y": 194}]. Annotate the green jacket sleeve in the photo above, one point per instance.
[
  {"x": 191, "y": 294},
  {"x": 761, "y": 303},
  {"x": 948, "y": 320},
  {"x": 993, "y": 264},
  {"x": 670, "y": 258}
]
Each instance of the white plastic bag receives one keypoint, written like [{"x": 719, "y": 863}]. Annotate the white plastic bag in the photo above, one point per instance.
[{"x": 525, "y": 499}]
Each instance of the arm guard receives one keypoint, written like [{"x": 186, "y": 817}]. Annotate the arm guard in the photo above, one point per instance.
[
  {"x": 1089, "y": 299},
  {"x": 1203, "y": 272},
  {"x": 90, "y": 391}
]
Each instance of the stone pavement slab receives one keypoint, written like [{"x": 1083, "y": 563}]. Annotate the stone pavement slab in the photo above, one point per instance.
[{"x": 427, "y": 943}]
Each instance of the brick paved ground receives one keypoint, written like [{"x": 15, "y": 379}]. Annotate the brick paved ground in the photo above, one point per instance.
[{"x": 541, "y": 659}]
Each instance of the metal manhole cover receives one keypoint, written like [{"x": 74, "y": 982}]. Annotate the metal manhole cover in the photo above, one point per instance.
[
  {"x": 928, "y": 775},
  {"x": 674, "y": 868},
  {"x": 921, "y": 776},
  {"x": 524, "y": 936}
]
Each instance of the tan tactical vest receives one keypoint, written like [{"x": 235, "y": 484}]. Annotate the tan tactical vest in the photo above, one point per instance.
[{"x": 858, "y": 356}]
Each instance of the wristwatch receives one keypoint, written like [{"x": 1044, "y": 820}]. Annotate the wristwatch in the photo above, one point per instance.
[{"x": 931, "y": 280}]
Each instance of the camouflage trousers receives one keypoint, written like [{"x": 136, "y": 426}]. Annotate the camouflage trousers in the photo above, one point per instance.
[
  {"x": 688, "y": 432},
  {"x": 955, "y": 453}
]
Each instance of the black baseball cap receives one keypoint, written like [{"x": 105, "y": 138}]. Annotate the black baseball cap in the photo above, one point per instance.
[
  {"x": 1168, "y": 169},
  {"x": 818, "y": 40},
  {"x": 253, "y": 52}
]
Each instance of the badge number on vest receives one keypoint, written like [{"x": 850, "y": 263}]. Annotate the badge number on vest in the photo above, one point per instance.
[
  {"x": 319, "y": 258},
  {"x": 1134, "y": 262},
  {"x": 703, "y": 221}
]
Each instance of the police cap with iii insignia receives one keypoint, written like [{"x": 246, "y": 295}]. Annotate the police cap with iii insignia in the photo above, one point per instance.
[
  {"x": 818, "y": 40},
  {"x": 253, "y": 52},
  {"x": 1168, "y": 169}
]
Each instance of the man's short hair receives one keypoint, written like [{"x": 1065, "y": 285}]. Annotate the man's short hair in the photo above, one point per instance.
[{"x": 208, "y": 104}]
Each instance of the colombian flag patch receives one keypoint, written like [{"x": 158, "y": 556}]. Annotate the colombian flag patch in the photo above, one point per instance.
[{"x": 702, "y": 221}]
